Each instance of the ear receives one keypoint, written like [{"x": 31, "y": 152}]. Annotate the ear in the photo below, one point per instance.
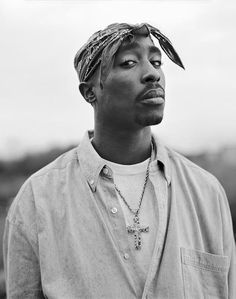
[{"x": 86, "y": 89}]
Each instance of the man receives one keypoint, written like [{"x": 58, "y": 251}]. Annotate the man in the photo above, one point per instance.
[{"x": 121, "y": 216}]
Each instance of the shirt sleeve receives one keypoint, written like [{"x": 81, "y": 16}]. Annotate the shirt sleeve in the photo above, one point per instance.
[
  {"x": 229, "y": 242},
  {"x": 232, "y": 273},
  {"x": 20, "y": 249}
]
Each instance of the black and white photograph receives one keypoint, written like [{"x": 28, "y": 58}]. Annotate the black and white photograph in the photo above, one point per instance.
[{"x": 117, "y": 149}]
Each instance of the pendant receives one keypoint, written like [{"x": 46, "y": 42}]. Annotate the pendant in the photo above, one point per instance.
[{"x": 136, "y": 230}]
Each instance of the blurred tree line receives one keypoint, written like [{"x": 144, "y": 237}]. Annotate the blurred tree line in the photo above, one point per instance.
[{"x": 13, "y": 173}]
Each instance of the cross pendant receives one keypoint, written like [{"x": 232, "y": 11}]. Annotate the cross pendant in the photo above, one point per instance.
[{"x": 136, "y": 230}]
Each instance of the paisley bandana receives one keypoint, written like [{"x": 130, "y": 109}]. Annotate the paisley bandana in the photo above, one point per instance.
[{"x": 103, "y": 45}]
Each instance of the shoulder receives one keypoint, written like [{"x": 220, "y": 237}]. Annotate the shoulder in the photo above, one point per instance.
[
  {"x": 48, "y": 180},
  {"x": 180, "y": 169},
  {"x": 199, "y": 185},
  {"x": 59, "y": 164},
  {"x": 194, "y": 184},
  {"x": 191, "y": 172}
]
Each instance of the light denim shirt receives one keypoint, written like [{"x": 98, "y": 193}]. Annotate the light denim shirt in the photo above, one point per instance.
[{"x": 62, "y": 241}]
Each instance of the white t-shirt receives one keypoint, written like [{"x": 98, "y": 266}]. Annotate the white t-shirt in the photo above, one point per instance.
[{"x": 129, "y": 179}]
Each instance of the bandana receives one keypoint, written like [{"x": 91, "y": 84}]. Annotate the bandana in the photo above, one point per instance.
[{"x": 102, "y": 46}]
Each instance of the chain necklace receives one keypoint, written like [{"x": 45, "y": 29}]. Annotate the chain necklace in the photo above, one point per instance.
[{"x": 136, "y": 229}]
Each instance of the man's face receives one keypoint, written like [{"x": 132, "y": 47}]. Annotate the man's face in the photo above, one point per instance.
[{"x": 133, "y": 93}]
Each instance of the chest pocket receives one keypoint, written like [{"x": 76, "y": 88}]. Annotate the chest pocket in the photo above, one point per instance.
[{"x": 204, "y": 274}]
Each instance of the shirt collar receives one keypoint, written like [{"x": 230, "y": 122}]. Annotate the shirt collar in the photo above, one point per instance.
[
  {"x": 92, "y": 164},
  {"x": 162, "y": 158}
]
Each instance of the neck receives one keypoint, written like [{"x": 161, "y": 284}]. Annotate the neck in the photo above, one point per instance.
[{"x": 123, "y": 147}]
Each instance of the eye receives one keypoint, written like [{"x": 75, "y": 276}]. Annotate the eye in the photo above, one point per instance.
[
  {"x": 128, "y": 63},
  {"x": 157, "y": 63}
]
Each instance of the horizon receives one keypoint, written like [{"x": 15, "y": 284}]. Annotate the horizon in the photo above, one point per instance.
[{"x": 40, "y": 103}]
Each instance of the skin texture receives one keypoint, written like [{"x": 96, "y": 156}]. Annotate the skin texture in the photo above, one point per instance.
[{"x": 122, "y": 117}]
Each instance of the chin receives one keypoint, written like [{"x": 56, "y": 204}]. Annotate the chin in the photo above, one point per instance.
[{"x": 149, "y": 120}]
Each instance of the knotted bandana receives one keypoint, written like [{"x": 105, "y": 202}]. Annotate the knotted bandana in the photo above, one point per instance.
[{"x": 102, "y": 46}]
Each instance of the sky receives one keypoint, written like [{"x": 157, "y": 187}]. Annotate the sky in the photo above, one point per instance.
[{"x": 40, "y": 104}]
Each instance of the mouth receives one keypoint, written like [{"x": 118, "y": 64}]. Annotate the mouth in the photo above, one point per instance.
[{"x": 153, "y": 97}]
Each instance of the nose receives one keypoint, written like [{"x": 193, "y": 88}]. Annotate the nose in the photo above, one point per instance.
[{"x": 150, "y": 74}]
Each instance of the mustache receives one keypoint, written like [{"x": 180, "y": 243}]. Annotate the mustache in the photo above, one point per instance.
[{"x": 152, "y": 91}]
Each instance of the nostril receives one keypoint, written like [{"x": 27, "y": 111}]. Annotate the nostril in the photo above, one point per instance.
[{"x": 151, "y": 78}]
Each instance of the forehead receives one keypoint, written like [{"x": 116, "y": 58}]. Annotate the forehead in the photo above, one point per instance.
[{"x": 138, "y": 42}]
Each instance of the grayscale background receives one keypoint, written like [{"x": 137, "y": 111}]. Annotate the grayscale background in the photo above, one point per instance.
[{"x": 42, "y": 113}]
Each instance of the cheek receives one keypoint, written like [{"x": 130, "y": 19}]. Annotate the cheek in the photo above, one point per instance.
[{"x": 121, "y": 85}]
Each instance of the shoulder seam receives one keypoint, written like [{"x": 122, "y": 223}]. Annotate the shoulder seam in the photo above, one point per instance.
[
  {"x": 191, "y": 164},
  {"x": 45, "y": 172}
]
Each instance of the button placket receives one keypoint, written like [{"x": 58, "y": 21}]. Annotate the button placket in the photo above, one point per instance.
[
  {"x": 116, "y": 218},
  {"x": 161, "y": 189}
]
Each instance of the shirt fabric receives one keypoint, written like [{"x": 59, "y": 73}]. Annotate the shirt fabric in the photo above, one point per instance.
[
  {"x": 130, "y": 181},
  {"x": 63, "y": 241}
]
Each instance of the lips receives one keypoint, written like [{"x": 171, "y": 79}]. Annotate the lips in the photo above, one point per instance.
[
  {"x": 154, "y": 93},
  {"x": 153, "y": 96}
]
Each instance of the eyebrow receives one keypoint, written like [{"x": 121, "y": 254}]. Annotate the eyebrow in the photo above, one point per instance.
[{"x": 130, "y": 46}]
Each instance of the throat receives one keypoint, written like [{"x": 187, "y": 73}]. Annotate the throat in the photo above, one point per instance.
[{"x": 122, "y": 148}]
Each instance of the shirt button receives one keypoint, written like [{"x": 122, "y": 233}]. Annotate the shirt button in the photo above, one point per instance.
[
  {"x": 126, "y": 256},
  {"x": 91, "y": 182},
  {"x": 105, "y": 170},
  {"x": 114, "y": 210}
]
